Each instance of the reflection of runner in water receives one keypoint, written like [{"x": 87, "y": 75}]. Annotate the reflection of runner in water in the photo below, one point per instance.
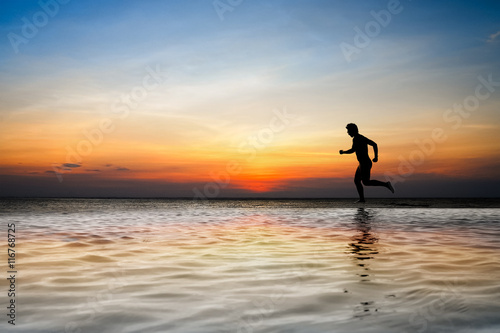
[{"x": 360, "y": 147}]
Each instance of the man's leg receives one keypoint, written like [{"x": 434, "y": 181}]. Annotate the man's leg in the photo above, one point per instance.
[
  {"x": 359, "y": 186},
  {"x": 373, "y": 182}
]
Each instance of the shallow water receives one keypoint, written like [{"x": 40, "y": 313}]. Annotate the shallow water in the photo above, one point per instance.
[{"x": 91, "y": 265}]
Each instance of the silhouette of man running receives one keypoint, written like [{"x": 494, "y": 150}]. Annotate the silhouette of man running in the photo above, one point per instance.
[{"x": 360, "y": 147}]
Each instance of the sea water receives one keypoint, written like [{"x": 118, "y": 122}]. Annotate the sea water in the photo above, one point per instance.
[{"x": 109, "y": 265}]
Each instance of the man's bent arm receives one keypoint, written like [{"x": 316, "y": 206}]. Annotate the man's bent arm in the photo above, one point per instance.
[
  {"x": 350, "y": 151},
  {"x": 375, "y": 148}
]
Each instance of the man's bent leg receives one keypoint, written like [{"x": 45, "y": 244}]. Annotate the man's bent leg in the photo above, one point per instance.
[
  {"x": 365, "y": 177},
  {"x": 373, "y": 182}
]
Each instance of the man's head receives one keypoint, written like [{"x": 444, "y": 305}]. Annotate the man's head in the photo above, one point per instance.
[{"x": 352, "y": 129}]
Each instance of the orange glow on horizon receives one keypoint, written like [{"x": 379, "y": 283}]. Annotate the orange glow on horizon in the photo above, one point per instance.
[{"x": 272, "y": 168}]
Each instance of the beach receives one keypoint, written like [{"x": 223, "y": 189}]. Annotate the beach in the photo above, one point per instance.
[{"x": 152, "y": 265}]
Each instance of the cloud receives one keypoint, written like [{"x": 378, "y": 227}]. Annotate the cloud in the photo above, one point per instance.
[
  {"x": 493, "y": 37},
  {"x": 71, "y": 165},
  {"x": 95, "y": 170},
  {"x": 122, "y": 169},
  {"x": 108, "y": 165},
  {"x": 50, "y": 171}
]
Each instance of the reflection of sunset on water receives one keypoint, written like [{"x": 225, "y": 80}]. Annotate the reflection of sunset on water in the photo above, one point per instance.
[{"x": 253, "y": 264}]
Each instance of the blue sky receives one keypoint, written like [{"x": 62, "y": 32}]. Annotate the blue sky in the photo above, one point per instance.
[{"x": 84, "y": 29}]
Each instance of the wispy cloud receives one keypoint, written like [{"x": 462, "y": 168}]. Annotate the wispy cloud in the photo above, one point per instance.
[
  {"x": 493, "y": 37},
  {"x": 71, "y": 165}
]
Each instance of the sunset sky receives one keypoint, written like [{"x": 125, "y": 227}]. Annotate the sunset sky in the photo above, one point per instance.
[{"x": 248, "y": 98}]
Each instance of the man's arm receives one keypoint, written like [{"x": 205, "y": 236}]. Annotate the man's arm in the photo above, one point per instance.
[
  {"x": 375, "y": 149},
  {"x": 350, "y": 151}
]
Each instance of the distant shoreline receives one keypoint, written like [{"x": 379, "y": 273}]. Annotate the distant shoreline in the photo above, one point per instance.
[{"x": 307, "y": 202}]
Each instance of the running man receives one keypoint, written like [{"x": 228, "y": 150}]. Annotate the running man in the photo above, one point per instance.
[{"x": 360, "y": 147}]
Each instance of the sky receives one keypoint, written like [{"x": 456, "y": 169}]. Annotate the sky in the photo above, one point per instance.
[{"x": 238, "y": 98}]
